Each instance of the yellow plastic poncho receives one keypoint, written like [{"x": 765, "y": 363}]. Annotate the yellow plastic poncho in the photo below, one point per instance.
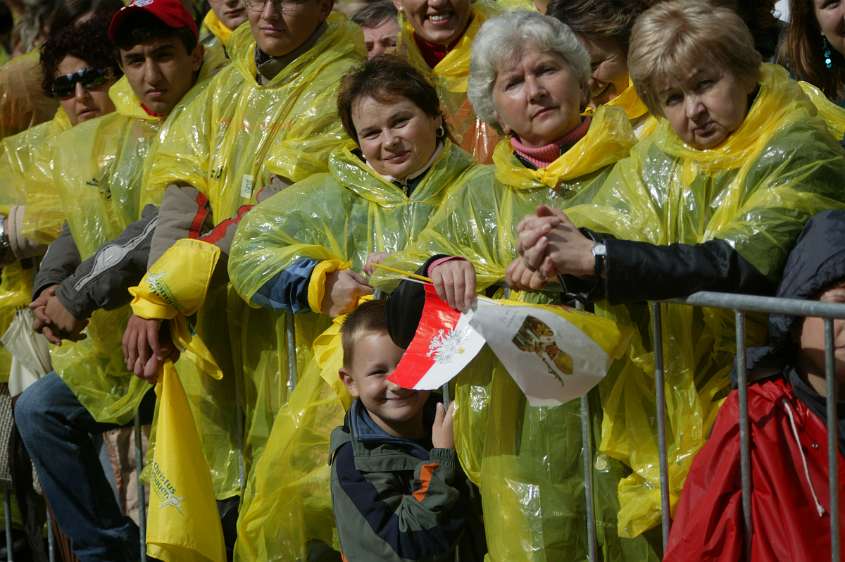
[
  {"x": 642, "y": 122},
  {"x": 215, "y": 38},
  {"x": 23, "y": 103},
  {"x": 343, "y": 216},
  {"x": 754, "y": 191},
  {"x": 26, "y": 179},
  {"x": 527, "y": 461},
  {"x": 228, "y": 143},
  {"x": 833, "y": 114},
  {"x": 450, "y": 76}
]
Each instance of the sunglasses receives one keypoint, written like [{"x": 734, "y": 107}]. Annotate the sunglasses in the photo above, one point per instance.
[{"x": 64, "y": 87}]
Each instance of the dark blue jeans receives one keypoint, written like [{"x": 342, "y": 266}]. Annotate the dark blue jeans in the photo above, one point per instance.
[{"x": 57, "y": 432}]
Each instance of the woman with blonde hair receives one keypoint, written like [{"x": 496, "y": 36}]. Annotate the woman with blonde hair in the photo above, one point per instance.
[{"x": 713, "y": 200}]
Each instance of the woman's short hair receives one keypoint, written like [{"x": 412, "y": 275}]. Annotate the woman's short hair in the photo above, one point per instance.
[
  {"x": 671, "y": 38},
  {"x": 374, "y": 14},
  {"x": 604, "y": 19},
  {"x": 505, "y": 38},
  {"x": 385, "y": 78},
  {"x": 86, "y": 40}
]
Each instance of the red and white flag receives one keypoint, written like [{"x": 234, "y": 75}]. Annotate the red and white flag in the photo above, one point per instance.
[
  {"x": 554, "y": 354},
  {"x": 443, "y": 345}
]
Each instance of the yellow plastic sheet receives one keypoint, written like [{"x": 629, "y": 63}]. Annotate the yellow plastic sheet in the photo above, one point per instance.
[
  {"x": 527, "y": 461},
  {"x": 833, "y": 114},
  {"x": 228, "y": 144},
  {"x": 343, "y": 215},
  {"x": 184, "y": 525},
  {"x": 26, "y": 169},
  {"x": 26, "y": 179},
  {"x": 754, "y": 191},
  {"x": 22, "y": 101},
  {"x": 642, "y": 122},
  {"x": 450, "y": 76}
]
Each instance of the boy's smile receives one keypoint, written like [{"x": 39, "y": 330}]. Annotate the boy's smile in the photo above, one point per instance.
[{"x": 398, "y": 411}]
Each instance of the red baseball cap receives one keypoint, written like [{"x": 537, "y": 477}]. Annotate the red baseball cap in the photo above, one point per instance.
[{"x": 171, "y": 13}]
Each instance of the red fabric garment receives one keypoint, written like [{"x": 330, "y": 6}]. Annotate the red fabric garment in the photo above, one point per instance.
[
  {"x": 433, "y": 53},
  {"x": 786, "y": 525},
  {"x": 543, "y": 156}
]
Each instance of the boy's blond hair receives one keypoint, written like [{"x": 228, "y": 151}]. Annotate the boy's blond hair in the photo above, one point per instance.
[{"x": 672, "y": 38}]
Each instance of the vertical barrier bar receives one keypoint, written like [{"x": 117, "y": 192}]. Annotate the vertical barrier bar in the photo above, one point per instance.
[
  {"x": 587, "y": 443},
  {"x": 7, "y": 515},
  {"x": 142, "y": 496},
  {"x": 660, "y": 396},
  {"x": 290, "y": 336},
  {"x": 239, "y": 415},
  {"x": 51, "y": 538},
  {"x": 744, "y": 450},
  {"x": 587, "y": 440},
  {"x": 832, "y": 439}
]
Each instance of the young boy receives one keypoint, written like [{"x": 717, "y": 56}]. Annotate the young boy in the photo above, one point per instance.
[
  {"x": 790, "y": 498},
  {"x": 397, "y": 489}
]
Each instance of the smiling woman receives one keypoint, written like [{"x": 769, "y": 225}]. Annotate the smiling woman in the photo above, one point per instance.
[
  {"x": 310, "y": 248},
  {"x": 436, "y": 37}
]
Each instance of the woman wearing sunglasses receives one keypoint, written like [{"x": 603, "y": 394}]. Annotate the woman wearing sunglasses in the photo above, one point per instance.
[{"x": 78, "y": 67}]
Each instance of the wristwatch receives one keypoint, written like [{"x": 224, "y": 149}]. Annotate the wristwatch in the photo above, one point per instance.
[{"x": 600, "y": 255}]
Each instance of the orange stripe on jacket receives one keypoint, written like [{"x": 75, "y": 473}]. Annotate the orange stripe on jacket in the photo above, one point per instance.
[{"x": 426, "y": 472}]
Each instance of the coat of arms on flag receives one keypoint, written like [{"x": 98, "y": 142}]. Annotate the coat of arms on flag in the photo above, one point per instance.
[{"x": 553, "y": 353}]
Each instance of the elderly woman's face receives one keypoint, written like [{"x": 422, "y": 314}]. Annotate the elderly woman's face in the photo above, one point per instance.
[
  {"x": 706, "y": 106},
  {"x": 396, "y": 137},
  {"x": 438, "y": 21},
  {"x": 609, "y": 76},
  {"x": 537, "y": 97}
]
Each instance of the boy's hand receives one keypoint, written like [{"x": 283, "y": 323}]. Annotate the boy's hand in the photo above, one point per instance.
[{"x": 441, "y": 431}]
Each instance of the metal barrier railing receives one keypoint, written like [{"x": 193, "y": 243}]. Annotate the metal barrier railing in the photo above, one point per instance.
[
  {"x": 738, "y": 303},
  {"x": 741, "y": 305}
]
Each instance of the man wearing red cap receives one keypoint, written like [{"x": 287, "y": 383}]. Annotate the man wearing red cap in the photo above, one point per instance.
[
  {"x": 87, "y": 270},
  {"x": 267, "y": 120}
]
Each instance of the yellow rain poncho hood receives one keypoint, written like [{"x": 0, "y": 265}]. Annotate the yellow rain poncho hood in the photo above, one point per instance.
[
  {"x": 228, "y": 143},
  {"x": 527, "y": 461},
  {"x": 342, "y": 216},
  {"x": 755, "y": 191},
  {"x": 450, "y": 76},
  {"x": 27, "y": 179}
]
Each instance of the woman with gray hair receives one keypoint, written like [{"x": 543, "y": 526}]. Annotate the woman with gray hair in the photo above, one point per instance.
[{"x": 529, "y": 78}]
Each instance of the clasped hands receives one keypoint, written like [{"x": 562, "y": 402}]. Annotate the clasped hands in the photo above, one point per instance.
[
  {"x": 53, "y": 320},
  {"x": 549, "y": 244}
]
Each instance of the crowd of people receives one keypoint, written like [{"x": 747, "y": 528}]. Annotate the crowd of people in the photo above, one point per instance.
[{"x": 246, "y": 189}]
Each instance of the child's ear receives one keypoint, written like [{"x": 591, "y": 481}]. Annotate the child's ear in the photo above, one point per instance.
[{"x": 348, "y": 381}]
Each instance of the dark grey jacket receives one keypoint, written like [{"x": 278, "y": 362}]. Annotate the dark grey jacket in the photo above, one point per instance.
[{"x": 397, "y": 500}]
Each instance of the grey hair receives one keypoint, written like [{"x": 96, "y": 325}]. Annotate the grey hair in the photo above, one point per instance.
[{"x": 505, "y": 38}]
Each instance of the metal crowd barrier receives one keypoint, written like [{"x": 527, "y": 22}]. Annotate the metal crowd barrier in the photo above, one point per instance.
[{"x": 740, "y": 305}]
